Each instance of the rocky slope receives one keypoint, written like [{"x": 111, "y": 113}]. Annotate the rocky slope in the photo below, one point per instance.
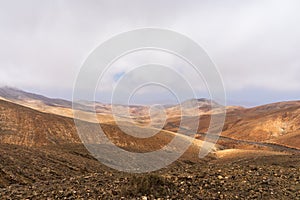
[
  {"x": 274, "y": 177},
  {"x": 41, "y": 157}
]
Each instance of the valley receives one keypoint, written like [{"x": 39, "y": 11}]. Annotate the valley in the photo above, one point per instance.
[{"x": 256, "y": 156}]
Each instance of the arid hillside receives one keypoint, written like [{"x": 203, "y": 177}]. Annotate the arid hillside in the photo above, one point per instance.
[
  {"x": 27, "y": 127},
  {"x": 273, "y": 123},
  {"x": 24, "y": 126},
  {"x": 278, "y": 123},
  {"x": 41, "y": 156}
]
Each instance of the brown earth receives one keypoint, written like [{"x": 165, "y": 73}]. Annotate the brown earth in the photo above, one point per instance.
[
  {"x": 41, "y": 156},
  {"x": 273, "y": 123},
  {"x": 70, "y": 173},
  {"x": 276, "y": 123}
]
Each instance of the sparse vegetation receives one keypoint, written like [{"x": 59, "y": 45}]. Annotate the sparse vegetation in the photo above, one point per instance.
[{"x": 150, "y": 184}]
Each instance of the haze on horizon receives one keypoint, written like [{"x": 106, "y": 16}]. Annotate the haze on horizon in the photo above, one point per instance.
[{"x": 254, "y": 44}]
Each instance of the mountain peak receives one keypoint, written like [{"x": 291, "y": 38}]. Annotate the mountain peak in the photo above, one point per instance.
[{"x": 15, "y": 94}]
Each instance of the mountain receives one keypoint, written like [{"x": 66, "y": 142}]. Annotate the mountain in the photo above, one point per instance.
[
  {"x": 276, "y": 123},
  {"x": 138, "y": 113},
  {"x": 14, "y": 94},
  {"x": 24, "y": 126},
  {"x": 41, "y": 155},
  {"x": 272, "y": 123}
]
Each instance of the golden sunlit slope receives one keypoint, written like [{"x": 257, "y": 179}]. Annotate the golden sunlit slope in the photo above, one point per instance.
[
  {"x": 24, "y": 126},
  {"x": 273, "y": 123},
  {"x": 278, "y": 123},
  {"x": 27, "y": 127}
]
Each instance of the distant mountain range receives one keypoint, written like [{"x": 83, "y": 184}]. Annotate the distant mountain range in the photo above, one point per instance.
[
  {"x": 51, "y": 105},
  {"x": 273, "y": 123},
  {"x": 15, "y": 94}
]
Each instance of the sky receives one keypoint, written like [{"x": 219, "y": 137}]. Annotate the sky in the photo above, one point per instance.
[{"x": 254, "y": 44}]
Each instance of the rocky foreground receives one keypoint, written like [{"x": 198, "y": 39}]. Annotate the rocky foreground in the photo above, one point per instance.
[{"x": 271, "y": 177}]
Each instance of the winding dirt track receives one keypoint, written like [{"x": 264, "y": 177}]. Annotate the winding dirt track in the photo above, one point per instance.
[{"x": 274, "y": 146}]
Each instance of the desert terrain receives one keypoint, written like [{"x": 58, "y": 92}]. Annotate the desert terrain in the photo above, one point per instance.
[{"x": 257, "y": 155}]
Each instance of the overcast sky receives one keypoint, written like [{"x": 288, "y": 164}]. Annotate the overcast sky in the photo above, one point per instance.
[{"x": 255, "y": 44}]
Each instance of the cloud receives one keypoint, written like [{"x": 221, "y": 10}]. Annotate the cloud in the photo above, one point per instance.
[{"x": 255, "y": 44}]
